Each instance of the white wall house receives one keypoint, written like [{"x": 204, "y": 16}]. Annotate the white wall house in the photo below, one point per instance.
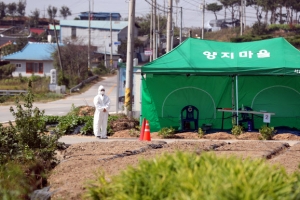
[
  {"x": 34, "y": 58},
  {"x": 100, "y": 33}
]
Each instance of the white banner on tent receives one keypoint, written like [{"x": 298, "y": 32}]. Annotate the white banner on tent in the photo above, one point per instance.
[{"x": 267, "y": 117}]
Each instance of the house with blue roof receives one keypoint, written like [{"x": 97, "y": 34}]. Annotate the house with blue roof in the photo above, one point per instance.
[
  {"x": 35, "y": 58},
  {"x": 101, "y": 32}
]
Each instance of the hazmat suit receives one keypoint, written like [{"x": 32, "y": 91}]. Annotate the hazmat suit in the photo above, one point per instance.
[{"x": 101, "y": 102}]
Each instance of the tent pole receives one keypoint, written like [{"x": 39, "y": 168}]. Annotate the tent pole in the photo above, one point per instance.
[
  {"x": 232, "y": 99},
  {"x": 237, "y": 99}
]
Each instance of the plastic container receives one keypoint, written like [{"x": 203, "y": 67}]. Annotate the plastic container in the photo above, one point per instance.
[{"x": 250, "y": 126}]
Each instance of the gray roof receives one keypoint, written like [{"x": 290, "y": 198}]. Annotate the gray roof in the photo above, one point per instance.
[
  {"x": 33, "y": 51},
  {"x": 95, "y": 24}
]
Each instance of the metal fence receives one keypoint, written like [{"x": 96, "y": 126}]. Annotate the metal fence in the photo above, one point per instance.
[
  {"x": 82, "y": 83},
  {"x": 11, "y": 92}
]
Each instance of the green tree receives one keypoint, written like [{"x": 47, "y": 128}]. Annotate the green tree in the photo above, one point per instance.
[
  {"x": 144, "y": 23},
  {"x": 296, "y": 8},
  {"x": 65, "y": 12},
  {"x": 225, "y": 6},
  {"x": 258, "y": 9},
  {"x": 34, "y": 18},
  {"x": 2, "y": 10},
  {"x": 269, "y": 6},
  {"x": 123, "y": 47},
  {"x": 74, "y": 57},
  {"x": 12, "y": 48},
  {"x": 12, "y": 10},
  {"x": 21, "y": 6},
  {"x": 214, "y": 7}
]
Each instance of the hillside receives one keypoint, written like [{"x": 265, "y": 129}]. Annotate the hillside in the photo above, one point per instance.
[{"x": 289, "y": 32}]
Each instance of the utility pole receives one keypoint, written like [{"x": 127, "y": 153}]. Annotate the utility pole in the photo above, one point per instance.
[
  {"x": 169, "y": 26},
  {"x": 151, "y": 31},
  {"x": 203, "y": 14},
  {"x": 154, "y": 31},
  {"x": 241, "y": 17},
  {"x": 180, "y": 39},
  {"x": 129, "y": 60},
  {"x": 111, "y": 45},
  {"x": 245, "y": 2},
  {"x": 57, "y": 43},
  {"x": 89, "y": 42},
  {"x": 158, "y": 37}
]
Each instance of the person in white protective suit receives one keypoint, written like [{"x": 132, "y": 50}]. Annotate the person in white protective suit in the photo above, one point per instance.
[{"x": 101, "y": 102}]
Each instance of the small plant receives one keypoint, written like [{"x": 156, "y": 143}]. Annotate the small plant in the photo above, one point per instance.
[
  {"x": 201, "y": 132},
  {"x": 74, "y": 110},
  {"x": 166, "y": 132},
  {"x": 237, "y": 130},
  {"x": 134, "y": 132},
  {"x": 267, "y": 132}
]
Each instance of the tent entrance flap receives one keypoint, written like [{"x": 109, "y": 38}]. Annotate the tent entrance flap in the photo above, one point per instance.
[{"x": 181, "y": 90}]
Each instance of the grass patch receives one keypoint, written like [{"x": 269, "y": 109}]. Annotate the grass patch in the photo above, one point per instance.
[
  {"x": 191, "y": 176},
  {"x": 40, "y": 88}
]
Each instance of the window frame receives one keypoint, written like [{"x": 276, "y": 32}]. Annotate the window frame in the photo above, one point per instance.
[{"x": 34, "y": 67}]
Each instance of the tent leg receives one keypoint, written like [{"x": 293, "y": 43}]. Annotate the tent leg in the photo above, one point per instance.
[
  {"x": 237, "y": 99},
  {"x": 233, "y": 100}
]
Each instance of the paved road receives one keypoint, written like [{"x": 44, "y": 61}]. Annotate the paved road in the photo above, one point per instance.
[{"x": 63, "y": 106}]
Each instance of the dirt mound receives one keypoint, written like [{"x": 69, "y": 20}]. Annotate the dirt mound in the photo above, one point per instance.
[
  {"x": 219, "y": 136},
  {"x": 250, "y": 136},
  {"x": 286, "y": 136},
  {"x": 123, "y": 123},
  {"x": 86, "y": 110},
  {"x": 212, "y": 136}
]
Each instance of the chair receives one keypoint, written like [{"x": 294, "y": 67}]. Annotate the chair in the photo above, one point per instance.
[
  {"x": 246, "y": 118},
  {"x": 189, "y": 114}
]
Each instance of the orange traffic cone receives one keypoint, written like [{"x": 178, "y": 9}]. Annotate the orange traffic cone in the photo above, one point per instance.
[
  {"x": 142, "y": 129},
  {"x": 147, "y": 135}
]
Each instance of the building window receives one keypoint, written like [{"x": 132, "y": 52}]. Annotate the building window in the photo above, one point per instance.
[
  {"x": 73, "y": 33},
  {"x": 34, "y": 68},
  {"x": 18, "y": 65}
]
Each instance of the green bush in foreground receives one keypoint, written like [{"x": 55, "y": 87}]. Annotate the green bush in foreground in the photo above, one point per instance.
[
  {"x": 14, "y": 184},
  {"x": 27, "y": 152},
  {"x": 190, "y": 176}
]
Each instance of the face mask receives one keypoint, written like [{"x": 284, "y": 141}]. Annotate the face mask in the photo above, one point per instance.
[{"x": 102, "y": 92}]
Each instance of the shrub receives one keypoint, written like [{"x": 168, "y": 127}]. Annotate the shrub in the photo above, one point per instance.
[
  {"x": 14, "y": 184},
  {"x": 259, "y": 28},
  {"x": 166, "y": 132},
  {"x": 67, "y": 124},
  {"x": 7, "y": 70},
  {"x": 200, "y": 133},
  {"x": 97, "y": 71},
  {"x": 26, "y": 151},
  {"x": 28, "y": 134},
  {"x": 35, "y": 78},
  {"x": 237, "y": 130},
  {"x": 87, "y": 129},
  {"x": 63, "y": 80},
  {"x": 267, "y": 132},
  {"x": 190, "y": 176}
]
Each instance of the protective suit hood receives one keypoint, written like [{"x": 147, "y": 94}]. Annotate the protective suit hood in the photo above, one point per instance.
[{"x": 100, "y": 88}]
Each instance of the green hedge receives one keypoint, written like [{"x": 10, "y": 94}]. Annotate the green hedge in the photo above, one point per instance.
[{"x": 190, "y": 176}]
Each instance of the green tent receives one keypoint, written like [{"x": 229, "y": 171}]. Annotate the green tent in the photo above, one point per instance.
[{"x": 264, "y": 75}]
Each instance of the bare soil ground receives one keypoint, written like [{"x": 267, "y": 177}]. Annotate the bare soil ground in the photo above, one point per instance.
[{"x": 81, "y": 162}]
